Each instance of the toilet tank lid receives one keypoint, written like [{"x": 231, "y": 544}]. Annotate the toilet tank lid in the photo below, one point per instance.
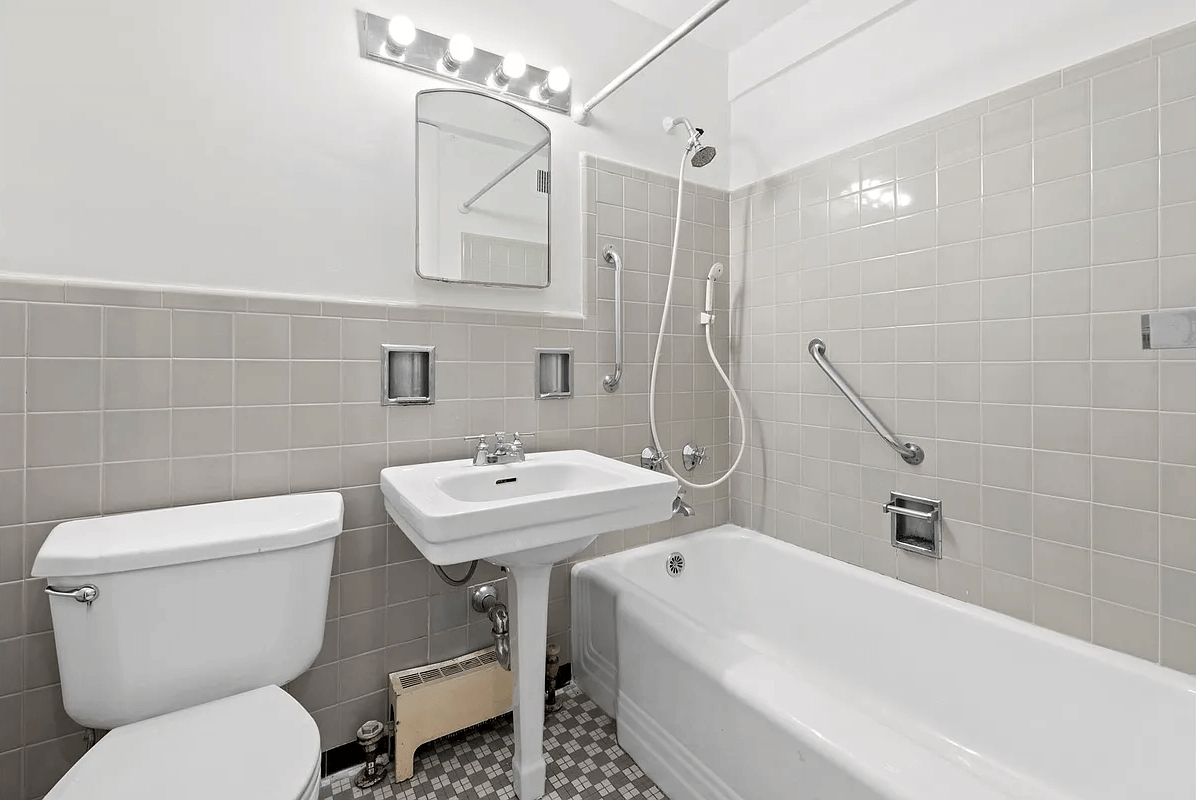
[{"x": 147, "y": 539}]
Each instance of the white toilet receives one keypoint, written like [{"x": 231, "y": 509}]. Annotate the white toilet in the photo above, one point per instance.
[{"x": 175, "y": 629}]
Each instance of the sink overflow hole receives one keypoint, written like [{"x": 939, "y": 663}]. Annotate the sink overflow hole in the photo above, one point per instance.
[{"x": 501, "y": 481}]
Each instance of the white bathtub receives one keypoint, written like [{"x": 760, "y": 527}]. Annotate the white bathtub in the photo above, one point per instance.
[{"x": 763, "y": 671}]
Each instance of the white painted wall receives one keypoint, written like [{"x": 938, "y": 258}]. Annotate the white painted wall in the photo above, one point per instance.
[
  {"x": 730, "y": 27},
  {"x": 924, "y": 58},
  {"x": 244, "y": 144}
]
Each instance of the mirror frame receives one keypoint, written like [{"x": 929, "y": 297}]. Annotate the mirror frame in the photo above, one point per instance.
[{"x": 548, "y": 223}]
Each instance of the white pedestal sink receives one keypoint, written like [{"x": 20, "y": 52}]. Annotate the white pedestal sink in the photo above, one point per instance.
[{"x": 526, "y": 517}]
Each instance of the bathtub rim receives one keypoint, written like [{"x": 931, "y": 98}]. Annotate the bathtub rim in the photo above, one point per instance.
[{"x": 607, "y": 569}]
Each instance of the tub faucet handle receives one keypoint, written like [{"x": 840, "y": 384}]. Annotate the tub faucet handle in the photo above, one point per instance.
[{"x": 651, "y": 458}]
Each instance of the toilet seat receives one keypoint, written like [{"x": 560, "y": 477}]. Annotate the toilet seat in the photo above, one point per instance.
[{"x": 260, "y": 745}]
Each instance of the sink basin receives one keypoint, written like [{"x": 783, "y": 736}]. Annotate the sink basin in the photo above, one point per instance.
[
  {"x": 525, "y": 517},
  {"x": 454, "y": 511}
]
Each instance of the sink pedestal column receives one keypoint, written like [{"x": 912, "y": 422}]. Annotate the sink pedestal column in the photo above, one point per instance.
[{"x": 529, "y": 636}]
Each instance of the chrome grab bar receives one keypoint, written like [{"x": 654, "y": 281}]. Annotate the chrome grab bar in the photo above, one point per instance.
[
  {"x": 911, "y": 453},
  {"x": 611, "y": 381},
  {"x": 80, "y": 594}
]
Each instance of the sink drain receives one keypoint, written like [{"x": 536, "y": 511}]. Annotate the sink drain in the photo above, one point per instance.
[{"x": 675, "y": 565}]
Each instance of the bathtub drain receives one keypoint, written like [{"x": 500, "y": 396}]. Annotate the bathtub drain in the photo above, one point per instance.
[{"x": 675, "y": 565}]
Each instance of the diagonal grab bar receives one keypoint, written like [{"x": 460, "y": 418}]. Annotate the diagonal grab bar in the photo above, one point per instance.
[{"x": 909, "y": 451}]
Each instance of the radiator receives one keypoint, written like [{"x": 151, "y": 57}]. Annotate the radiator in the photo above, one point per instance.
[{"x": 429, "y": 702}]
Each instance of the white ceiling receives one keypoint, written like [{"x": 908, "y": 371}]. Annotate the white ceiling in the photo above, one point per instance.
[{"x": 731, "y": 26}]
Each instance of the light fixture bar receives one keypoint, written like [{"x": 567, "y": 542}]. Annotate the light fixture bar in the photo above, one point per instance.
[{"x": 426, "y": 54}]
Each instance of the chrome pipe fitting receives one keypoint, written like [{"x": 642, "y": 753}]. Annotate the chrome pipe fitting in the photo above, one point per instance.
[{"x": 484, "y": 600}]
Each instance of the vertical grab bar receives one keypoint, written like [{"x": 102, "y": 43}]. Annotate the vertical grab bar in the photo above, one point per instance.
[
  {"x": 611, "y": 381},
  {"x": 910, "y": 452}
]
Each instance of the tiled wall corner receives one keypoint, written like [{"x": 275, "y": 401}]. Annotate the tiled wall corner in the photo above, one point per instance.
[{"x": 979, "y": 278}]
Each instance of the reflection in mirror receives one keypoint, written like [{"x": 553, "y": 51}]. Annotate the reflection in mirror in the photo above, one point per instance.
[{"x": 484, "y": 179}]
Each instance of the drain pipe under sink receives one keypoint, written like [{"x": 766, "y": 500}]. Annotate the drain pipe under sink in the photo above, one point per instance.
[{"x": 485, "y": 601}]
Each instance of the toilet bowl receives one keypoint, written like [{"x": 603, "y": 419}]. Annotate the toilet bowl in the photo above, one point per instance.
[
  {"x": 258, "y": 745},
  {"x": 174, "y": 630}
]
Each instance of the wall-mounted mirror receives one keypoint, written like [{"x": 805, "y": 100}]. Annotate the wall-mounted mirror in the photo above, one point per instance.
[{"x": 484, "y": 178}]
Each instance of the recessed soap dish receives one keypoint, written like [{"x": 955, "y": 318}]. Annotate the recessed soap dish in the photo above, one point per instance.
[
  {"x": 916, "y": 524},
  {"x": 408, "y": 375},
  {"x": 554, "y": 373}
]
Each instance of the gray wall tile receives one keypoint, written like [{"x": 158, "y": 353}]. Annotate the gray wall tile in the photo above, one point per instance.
[
  {"x": 137, "y": 333},
  {"x": 62, "y": 384},
  {"x": 201, "y": 334},
  {"x": 64, "y": 330},
  {"x": 1003, "y": 338}
]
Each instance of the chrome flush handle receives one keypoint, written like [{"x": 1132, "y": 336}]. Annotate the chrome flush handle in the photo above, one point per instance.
[{"x": 82, "y": 594}]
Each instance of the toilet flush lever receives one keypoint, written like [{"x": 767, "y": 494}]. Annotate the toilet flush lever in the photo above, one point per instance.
[{"x": 83, "y": 594}]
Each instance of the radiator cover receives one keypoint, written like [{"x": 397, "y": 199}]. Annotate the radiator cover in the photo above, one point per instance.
[{"x": 429, "y": 702}]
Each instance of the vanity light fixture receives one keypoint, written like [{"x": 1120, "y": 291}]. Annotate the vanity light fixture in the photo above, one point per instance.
[
  {"x": 512, "y": 67},
  {"x": 400, "y": 33},
  {"x": 399, "y": 43}
]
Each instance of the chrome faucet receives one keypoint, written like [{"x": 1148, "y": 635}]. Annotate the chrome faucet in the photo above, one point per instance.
[
  {"x": 504, "y": 452},
  {"x": 680, "y": 507}
]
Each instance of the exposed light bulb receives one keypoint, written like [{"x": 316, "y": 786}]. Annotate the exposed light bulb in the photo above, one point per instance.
[
  {"x": 557, "y": 82},
  {"x": 460, "y": 50},
  {"x": 513, "y": 66},
  {"x": 400, "y": 33},
  {"x": 558, "y": 79}
]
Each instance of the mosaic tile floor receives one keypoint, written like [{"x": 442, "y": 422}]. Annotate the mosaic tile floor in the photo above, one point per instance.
[{"x": 584, "y": 762}]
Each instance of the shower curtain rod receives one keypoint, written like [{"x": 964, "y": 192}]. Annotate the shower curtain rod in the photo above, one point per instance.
[
  {"x": 516, "y": 164},
  {"x": 581, "y": 114}
]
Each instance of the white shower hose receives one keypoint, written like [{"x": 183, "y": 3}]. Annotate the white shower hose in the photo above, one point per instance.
[{"x": 707, "y": 322}]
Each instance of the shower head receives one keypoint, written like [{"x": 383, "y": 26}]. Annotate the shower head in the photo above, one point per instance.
[
  {"x": 703, "y": 155},
  {"x": 716, "y": 271}
]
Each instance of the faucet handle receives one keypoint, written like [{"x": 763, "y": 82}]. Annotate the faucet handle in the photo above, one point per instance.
[
  {"x": 517, "y": 442},
  {"x": 480, "y": 439}
]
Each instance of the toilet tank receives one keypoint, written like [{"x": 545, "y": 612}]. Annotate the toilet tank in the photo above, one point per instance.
[{"x": 193, "y": 604}]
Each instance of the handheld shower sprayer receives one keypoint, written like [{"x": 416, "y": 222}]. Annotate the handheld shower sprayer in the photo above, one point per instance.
[
  {"x": 715, "y": 273},
  {"x": 699, "y": 155}
]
